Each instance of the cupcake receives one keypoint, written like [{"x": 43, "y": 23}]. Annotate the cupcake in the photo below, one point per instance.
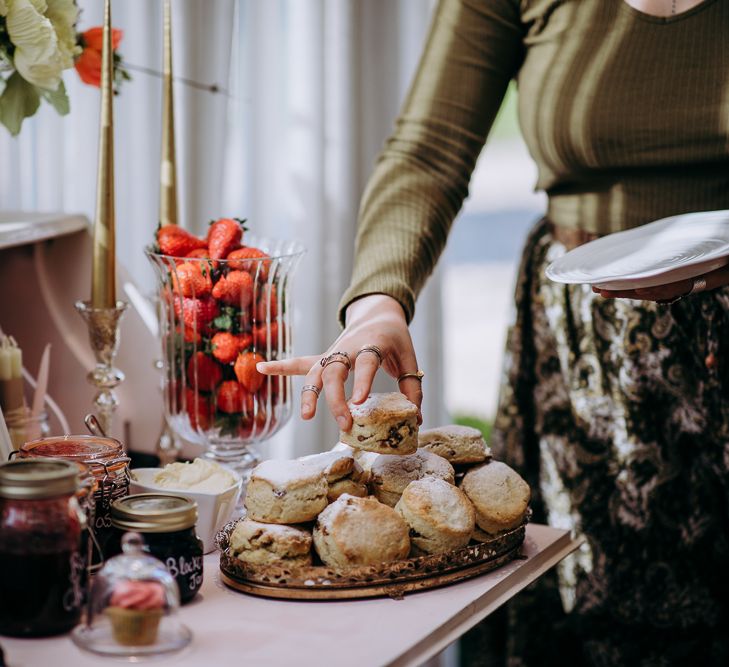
[{"x": 135, "y": 609}]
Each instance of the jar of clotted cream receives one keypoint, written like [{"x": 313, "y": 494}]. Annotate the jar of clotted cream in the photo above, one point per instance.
[
  {"x": 167, "y": 524},
  {"x": 41, "y": 563}
]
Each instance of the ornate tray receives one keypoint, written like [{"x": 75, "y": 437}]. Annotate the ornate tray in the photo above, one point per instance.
[{"x": 393, "y": 579}]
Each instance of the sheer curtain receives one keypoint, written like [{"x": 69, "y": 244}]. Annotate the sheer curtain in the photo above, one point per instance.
[{"x": 309, "y": 92}]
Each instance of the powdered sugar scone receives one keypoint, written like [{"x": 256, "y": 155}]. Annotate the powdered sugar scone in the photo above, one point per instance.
[
  {"x": 500, "y": 496},
  {"x": 440, "y": 516},
  {"x": 285, "y": 492},
  {"x": 391, "y": 474},
  {"x": 360, "y": 531},
  {"x": 334, "y": 465},
  {"x": 456, "y": 444},
  {"x": 269, "y": 543},
  {"x": 384, "y": 423}
]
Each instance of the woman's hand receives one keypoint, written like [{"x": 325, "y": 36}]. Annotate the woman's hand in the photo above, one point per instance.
[
  {"x": 671, "y": 292},
  {"x": 376, "y": 320}
]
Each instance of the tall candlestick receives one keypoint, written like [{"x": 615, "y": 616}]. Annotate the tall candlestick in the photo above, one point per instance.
[
  {"x": 103, "y": 273},
  {"x": 168, "y": 165}
]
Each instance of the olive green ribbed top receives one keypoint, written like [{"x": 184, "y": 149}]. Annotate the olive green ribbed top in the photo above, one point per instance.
[{"x": 625, "y": 114}]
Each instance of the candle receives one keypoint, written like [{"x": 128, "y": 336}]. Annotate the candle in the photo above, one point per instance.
[
  {"x": 103, "y": 270},
  {"x": 168, "y": 168}
]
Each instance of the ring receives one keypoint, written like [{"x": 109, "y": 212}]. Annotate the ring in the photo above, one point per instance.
[
  {"x": 337, "y": 358},
  {"x": 373, "y": 349},
  {"x": 311, "y": 387},
  {"x": 418, "y": 376},
  {"x": 698, "y": 286}
]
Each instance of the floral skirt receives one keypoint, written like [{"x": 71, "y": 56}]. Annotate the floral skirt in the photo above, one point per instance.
[{"x": 617, "y": 414}]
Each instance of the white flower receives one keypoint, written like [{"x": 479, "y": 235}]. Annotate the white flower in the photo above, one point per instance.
[{"x": 44, "y": 39}]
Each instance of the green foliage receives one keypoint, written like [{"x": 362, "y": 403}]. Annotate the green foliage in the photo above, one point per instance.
[
  {"x": 18, "y": 101},
  {"x": 58, "y": 99},
  {"x": 483, "y": 425}
]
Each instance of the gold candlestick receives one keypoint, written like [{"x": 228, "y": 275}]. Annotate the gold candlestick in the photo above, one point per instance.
[
  {"x": 103, "y": 271},
  {"x": 168, "y": 165}
]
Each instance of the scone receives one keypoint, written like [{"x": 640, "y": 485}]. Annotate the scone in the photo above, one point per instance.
[
  {"x": 346, "y": 485},
  {"x": 270, "y": 544},
  {"x": 384, "y": 423},
  {"x": 499, "y": 494},
  {"x": 456, "y": 444},
  {"x": 360, "y": 531},
  {"x": 286, "y": 492},
  {"x": 334, "y": 465},
  {"x": 440, "y": 516},
  {"x": 391, "y": 474}
]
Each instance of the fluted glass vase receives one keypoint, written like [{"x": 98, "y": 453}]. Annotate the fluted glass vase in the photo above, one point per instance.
[{"x": 218, "y": 318}]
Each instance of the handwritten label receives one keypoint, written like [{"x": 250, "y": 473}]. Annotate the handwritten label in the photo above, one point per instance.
[
  {"x": 190, "y": 569},
  {"x": 73, "y": 597}
]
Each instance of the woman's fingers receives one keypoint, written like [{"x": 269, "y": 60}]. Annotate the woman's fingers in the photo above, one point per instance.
[
  {"x": 295, "y": 366},
  {"x": 365, "y": 368},
  {"x": 309, "y": 397},
  {"x": 412, "y": 387},
  {"x": 334, "y": 376}
]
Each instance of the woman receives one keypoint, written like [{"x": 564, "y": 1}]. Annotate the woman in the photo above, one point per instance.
[{"x": 615, "y": 410}]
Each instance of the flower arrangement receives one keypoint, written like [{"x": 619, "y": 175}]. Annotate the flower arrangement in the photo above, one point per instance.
[{"x": 38, "y": 41}]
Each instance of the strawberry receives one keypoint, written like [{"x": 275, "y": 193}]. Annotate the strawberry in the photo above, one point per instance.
[
  {"x": 226, "y": 346},
  {"x": 268, "y": 296},
  {"x": 235, "y": 289},
  {"x": 192, "y": 279},
  {"x": 231, "y": 397},
  {"x": 249, "y": 259},
  {"x": 199, "y": 409},
  {"x": 203, "y": 373},
  {"x": 177, "y": 242},
  {"x": 245, "y": 371},
  {"x": 260, "y": 336},
  {"x": 202, "y": 253},
  {"x": 256, "y": 425},
  {"x": 224, "y": 236},
  {"x": 196, "y": 314}
]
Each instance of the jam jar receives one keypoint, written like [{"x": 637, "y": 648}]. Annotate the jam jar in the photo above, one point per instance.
[
  {"x": 41, "y": 563},
  {"x": 109, "y": 468},
  {"x": 167, "y": 524}
]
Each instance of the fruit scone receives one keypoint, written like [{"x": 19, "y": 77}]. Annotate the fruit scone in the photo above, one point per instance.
[
  {"x": 270, "y": 544},
  {"x": 459, "y": 445},
  {"x": 384, "y": 423},
  {"x": 286, "y": 492},
  {"x": 343, "y": 473}
]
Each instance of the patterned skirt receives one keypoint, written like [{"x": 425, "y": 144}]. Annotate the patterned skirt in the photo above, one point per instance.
[{"x": 617, "y": 414}]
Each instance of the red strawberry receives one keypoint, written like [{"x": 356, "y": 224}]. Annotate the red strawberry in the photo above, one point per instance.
[
  {"x": 199, "y": 409},
  {"x": 245, "y": 371},
  {"x": 256, "y": 425},
  {"x": 203, "y": 373},
  {"x": 235, "y": 289},
  {"x": 224, "y": 236},
  {"x": 177, "y": 242},
  {"x": 248, "y": 259},
  {"x": 192, "y": 279},
  {"x": 232, "y": 397},
  {"x": 260, "y": 334},
  {"x": 202, "y": 253},
  {"x": 196, "y": 314},
  {"x": 268, "y": 296},
  {"x": 226, "y": 346}
]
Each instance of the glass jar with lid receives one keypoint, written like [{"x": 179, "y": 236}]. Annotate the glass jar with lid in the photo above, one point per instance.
[
  {"x": 41, "y": 563},
  {"x": 108, "y": 465},
  {"x": 167, "y": 524}
]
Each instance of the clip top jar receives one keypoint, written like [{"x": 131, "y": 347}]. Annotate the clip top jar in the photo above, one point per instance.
[
  {"x": 167, "y": 523},
  {"x": 41, "y": 563},
  {"x": 108, "y": 465}
]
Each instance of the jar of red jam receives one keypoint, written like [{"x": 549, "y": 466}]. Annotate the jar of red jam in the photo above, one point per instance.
[
  {"x": 41, "y": 561},
  {"x": 108, "y": 465}
]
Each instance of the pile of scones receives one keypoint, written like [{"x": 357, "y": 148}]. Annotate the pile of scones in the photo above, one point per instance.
[{"x": 385, "y": 492}]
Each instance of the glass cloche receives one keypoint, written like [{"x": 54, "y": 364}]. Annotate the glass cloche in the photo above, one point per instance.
[{"x": 133, "y": 610}]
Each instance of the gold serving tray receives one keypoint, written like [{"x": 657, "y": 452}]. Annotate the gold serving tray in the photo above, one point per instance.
[{"x": 393, "y": 579}]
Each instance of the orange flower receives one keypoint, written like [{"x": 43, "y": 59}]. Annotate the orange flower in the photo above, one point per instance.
[{"x": 88, "y": 64}]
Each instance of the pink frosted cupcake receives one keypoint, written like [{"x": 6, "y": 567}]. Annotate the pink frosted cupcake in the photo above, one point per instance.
[{"x": 135, "y": 610}]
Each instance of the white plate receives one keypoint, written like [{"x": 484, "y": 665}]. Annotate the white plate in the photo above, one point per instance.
[{"x": 664, "y": 251}]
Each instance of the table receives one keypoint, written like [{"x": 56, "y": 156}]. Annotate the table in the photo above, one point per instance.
[{"x": 231, "y": 628}]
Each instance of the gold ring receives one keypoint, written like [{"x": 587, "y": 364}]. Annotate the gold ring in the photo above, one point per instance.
[
  {"x": 373, "y": 349},
  {"x": 337, "y": 358},
  {"x": 418, "y": 376},
  {"x": 311, "y": 387}
]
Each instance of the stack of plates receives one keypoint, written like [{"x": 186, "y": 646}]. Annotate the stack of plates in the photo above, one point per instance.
[{"x": 661, "y": 252}]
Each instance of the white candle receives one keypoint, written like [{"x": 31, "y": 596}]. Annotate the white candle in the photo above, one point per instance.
[
  {"x": 5, "y": 365},
  {"x": 16, "y": 362}
]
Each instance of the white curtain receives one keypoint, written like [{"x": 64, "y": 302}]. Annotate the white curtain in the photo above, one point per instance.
[{"x": 309, "y": 92}]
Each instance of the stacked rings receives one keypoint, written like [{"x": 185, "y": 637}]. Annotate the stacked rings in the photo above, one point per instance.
[
  {"x": 373, "y": 349},
  {"x": 336, "y": 358},
  {"x": 311, "y": 387}
]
